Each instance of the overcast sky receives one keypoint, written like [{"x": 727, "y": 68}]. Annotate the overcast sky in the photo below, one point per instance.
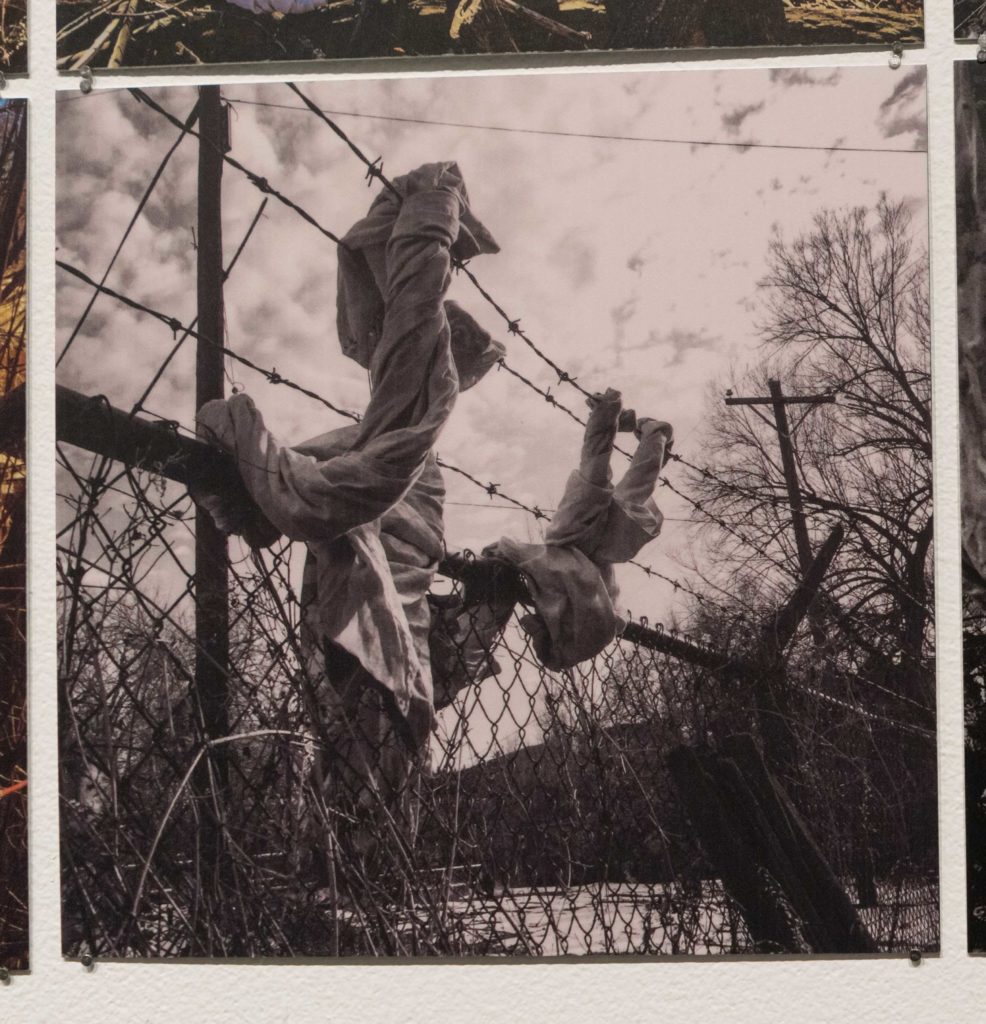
[{"x": 633, "y": 263}]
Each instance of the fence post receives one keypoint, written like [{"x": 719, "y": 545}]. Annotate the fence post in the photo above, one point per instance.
[
  {"x": 211, "y": 558},
  {"x": 790, "y": 853},
  {"x": 729, "y": 853}
]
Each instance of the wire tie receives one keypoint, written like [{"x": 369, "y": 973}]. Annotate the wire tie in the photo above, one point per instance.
[
  {"x": 274, "y": 377},
  {"x": 513, "y": 326},
  {"x": 491, "y": 489}
]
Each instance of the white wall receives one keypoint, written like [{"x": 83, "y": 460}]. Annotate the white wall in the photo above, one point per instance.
[{"x": 948, "y": 989}]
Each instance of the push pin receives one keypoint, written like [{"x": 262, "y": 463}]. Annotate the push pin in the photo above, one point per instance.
[
  {"x": 87, "y": 961},
  {"x": 3, "y": 81},
  {"x": 4, "y": 976},
  {"x": 85, "y": 83},
  {"x": 981, "y": 51},
  {"x": 896, "y": 56},
  {"x": 915, "y": 956}
]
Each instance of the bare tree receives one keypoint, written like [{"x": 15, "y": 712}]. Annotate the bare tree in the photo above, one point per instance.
[{"x": 847, "y": 315}]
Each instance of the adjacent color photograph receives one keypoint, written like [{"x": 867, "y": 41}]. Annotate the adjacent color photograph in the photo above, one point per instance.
[
  {"x": 970, "y": 180},
  {"x": 13, "y": 538},
  {"x": 149, "y": 33},
  {"x": 13, "y": 36},
  {"x": 495, "y": 517}
]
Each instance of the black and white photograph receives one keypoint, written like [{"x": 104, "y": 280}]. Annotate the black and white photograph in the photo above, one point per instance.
[
  {"x": 495, "y": 517},
  {"x": 970, "y": 18},
  {"x": 13, "y": 538},
  {"x": 163, "y": 33},
  {"x": 970, "y": 152}
]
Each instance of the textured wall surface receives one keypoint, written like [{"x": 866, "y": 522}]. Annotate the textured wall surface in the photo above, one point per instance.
[{"x": 947, "y": 988}]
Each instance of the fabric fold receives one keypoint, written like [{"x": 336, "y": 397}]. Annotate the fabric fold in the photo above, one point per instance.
[
  {"x": 368, "y": 499},
  {"x": 597, "y": 525}
]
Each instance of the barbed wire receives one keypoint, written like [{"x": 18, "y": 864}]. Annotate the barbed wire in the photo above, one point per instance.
[
  {"x": 374, "y": 170},
  {"x": 272, "y": 376}
]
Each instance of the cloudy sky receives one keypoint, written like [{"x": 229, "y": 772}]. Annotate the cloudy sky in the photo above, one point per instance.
[{"x": 632, "y": 261}]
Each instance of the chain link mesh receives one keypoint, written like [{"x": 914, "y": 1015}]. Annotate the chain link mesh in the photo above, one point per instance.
[{"x": 541, "y": 819}]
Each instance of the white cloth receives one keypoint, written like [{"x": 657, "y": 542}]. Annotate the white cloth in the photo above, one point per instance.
[
  {"x": 570, "y": 576},
  {"x": 367, "y": 499}
]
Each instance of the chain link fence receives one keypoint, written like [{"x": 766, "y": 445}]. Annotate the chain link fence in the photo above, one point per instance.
[{"x": 541, "y": 820}]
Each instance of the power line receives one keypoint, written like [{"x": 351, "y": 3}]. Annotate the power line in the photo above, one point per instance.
[{"x": 595, "y": 136}]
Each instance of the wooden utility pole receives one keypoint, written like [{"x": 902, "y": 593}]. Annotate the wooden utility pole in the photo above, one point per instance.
[
  {"x": 779, "y": 401},
  {"x": 211, "y": 557}
]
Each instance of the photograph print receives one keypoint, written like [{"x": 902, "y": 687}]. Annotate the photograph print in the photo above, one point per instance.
[
  {"x": 13, "y": 36},
  {"x": 150, "y": 33},
  {"x": 970, "y": 152},
  {"x": 970, "y": 18},
  {"x": 496, "y": 521},
  {"x": 13, "y": 538}
]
